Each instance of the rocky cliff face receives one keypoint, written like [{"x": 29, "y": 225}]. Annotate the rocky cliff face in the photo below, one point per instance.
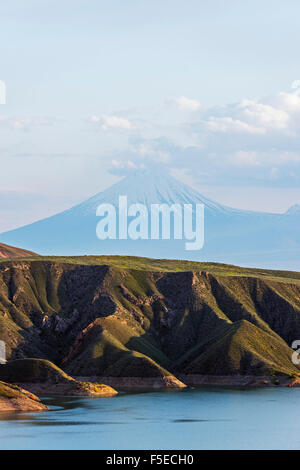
[
  {"x": 101, "y": 320},
  {"x": 14, "y": 398}
]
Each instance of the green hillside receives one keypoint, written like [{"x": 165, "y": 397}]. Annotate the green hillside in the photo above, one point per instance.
[
  {"x": 46, "y": 377},
  {"x": 138, "y": 317},
  {"x": 33, "y": 371},
  {"x": 244, "y": 349}
]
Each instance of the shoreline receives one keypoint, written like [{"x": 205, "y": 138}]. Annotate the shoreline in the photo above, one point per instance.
[
  {"x": 164, "y": 383},
  {"x": 187, "y": 381},
  {"x": 248, "y": 381}
]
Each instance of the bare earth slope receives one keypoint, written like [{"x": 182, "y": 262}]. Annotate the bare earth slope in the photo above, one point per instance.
[
  {"x": 7, "y": 251},
  {"x": 137, "y": 317}
]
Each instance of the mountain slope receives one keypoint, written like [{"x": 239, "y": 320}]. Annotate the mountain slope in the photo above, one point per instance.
[
  {"x": 245, "y": 350},
  {"x": 231, "y": 235},
  {"x": 98, "y": 319},
  {"x": 42, "y": 377},
  {"x": 7, "y": 251}
]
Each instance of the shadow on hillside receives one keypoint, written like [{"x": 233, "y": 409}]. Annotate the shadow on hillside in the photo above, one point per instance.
[
  {"x": 82, "y": 299},
  {"x": 82, "y": 288}
]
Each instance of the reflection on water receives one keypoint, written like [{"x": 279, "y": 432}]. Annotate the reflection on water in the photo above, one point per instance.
[
  {"x": 198, "y": 420},
  {"x": 191, "y": 419}
]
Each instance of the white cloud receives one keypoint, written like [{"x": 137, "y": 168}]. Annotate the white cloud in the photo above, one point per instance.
[
  {"x": 187, "y": 104},
  {"x": 254, "y": 158},
  {"x": 290, "y": 102},
  {"x": 109, "y": 122},
  {"x": 228, "y": 124},
  {"x": 115, "y": 122},
  {"x": 274, "y": 116},
  {"x": 264, "y": 115},
  {"x": 253, "y": 140},
  {"x": 145, "y": 150}
]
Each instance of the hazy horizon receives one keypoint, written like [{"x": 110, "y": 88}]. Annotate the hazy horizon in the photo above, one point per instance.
[{"x": 95, "y": 91}]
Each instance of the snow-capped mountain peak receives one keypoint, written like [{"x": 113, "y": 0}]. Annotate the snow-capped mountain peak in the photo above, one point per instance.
[
  {"x": 149, "y": 187},
  {"x": 293, "y": 210}
]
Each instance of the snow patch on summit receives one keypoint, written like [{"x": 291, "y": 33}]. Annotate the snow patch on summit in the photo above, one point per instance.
[
  {"x": 148, "y": 187},
  {"x": 293, "y": 210}
]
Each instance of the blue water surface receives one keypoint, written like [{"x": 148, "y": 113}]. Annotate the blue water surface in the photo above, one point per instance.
[{"x": 192, "y": 419}]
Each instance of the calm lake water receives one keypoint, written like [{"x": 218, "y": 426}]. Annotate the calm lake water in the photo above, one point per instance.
[{"x": 192, "y": 419}]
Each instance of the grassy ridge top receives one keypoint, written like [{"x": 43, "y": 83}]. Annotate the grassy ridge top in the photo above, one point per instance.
[{"x": 165, "y": 265}]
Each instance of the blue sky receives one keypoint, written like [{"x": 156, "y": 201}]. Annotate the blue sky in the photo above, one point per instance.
[{"x": 205, "y": 89}]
